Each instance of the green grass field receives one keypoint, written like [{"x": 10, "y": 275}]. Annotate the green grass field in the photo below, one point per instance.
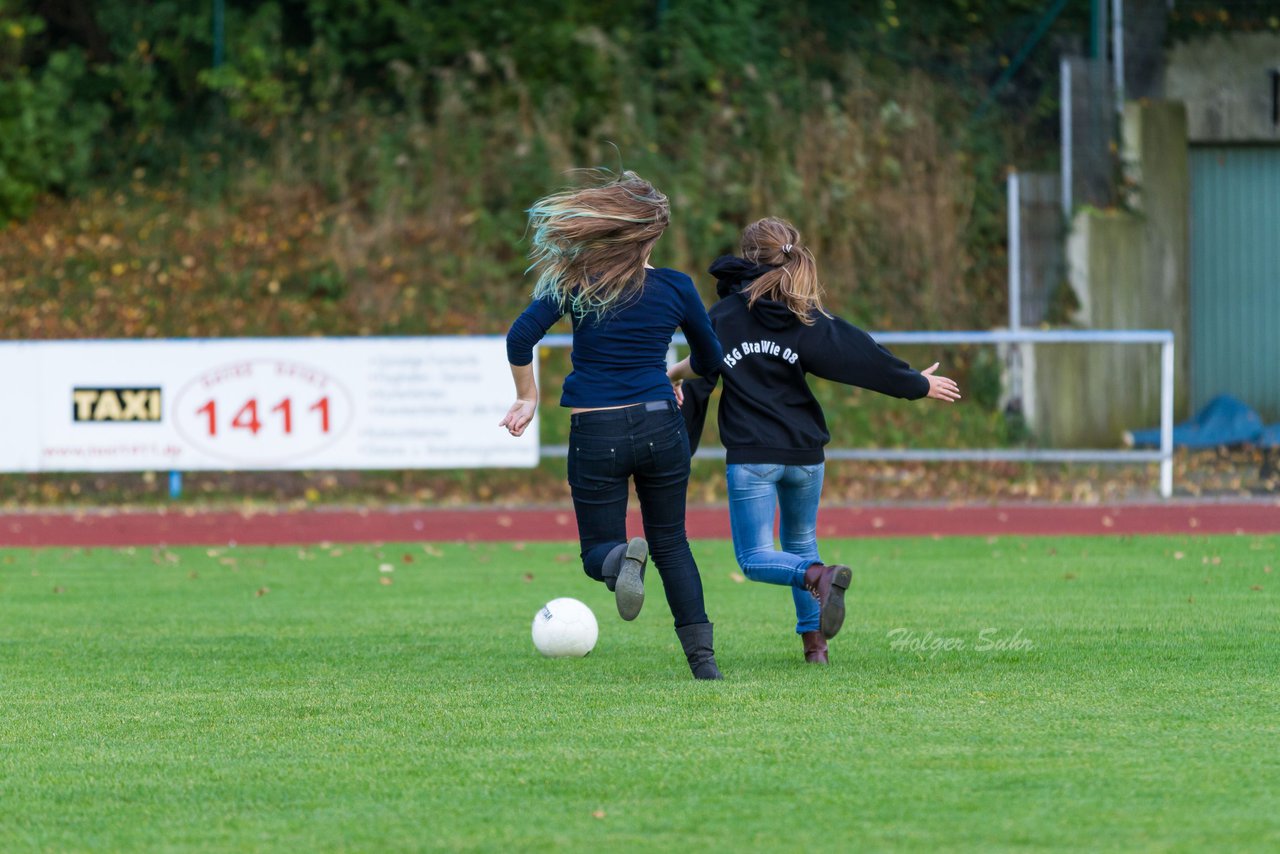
[{"x": 389, "y": 698}]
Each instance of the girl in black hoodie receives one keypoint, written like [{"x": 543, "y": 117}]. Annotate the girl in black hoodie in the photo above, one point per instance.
[{"x": 774, "y": 331}]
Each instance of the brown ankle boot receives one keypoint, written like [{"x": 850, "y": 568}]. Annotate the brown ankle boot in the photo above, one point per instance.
[
  {"x": 828, "y": 584},
  {"x": 815, "y": 647}
]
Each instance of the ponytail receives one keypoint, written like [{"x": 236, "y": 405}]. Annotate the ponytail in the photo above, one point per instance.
[{"x": 793, "y": 281}]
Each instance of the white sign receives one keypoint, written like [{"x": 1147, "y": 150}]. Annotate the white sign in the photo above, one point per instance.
[{"x": 258, "y": 404}]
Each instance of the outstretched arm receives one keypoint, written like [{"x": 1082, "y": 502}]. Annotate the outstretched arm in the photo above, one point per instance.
[
  {"x": 940, "y": 388},
  {"x": 839, "y": 351}
]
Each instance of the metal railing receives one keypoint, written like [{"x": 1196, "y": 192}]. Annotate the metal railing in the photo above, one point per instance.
[{"x": 1163, "y": 455}]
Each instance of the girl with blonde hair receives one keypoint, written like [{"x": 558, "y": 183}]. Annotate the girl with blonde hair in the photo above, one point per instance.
[
  {"x": 775, "y": 331},
  {"x": 591, "y": 252}
]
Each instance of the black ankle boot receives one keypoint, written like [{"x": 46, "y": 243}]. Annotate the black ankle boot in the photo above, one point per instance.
[
  {"x": 696, "y": 640},
  {"x": 612, "y": 566},
  {"x": 628, "y": 587}
]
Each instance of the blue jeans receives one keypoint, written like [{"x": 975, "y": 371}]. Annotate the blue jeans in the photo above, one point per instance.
[
  {"x": 757, "y": 492},
  {"x": 647, "y": 443}
]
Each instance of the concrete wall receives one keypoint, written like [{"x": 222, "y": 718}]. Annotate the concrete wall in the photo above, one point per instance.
[
  {"x": 1225, "y": 81},
  {"x": 1157, "y": 170},
  {"x": 1043, "y": 264},
  {"x": 1128, "y": 269}
]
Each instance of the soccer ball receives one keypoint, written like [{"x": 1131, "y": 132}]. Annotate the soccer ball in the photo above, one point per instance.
[{"x": 564, "y": 628}]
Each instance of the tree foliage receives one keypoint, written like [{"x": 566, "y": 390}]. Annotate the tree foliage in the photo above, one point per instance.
[{"x": 445, "y": 119}]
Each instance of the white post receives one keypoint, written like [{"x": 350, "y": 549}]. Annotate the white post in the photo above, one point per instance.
[
  {"x": 1014, "y": 202},
  {"x": 1166, "y": 419},
  {"x": 1117, "y": 49},
  {"x": 1065, "y": 106}
]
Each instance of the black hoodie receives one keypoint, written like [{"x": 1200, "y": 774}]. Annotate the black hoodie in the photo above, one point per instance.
[{"x": 767, "y": 412}]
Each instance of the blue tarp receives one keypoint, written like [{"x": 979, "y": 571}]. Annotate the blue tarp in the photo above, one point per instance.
[
  {"x": 1223, "y": 421},
  {"x": 1269, "y": 437}
]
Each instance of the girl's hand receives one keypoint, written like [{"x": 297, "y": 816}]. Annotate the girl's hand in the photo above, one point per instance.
[
  {"x": 941, "y": 388},
  {"x": 677, "y": 386},
  {"x": 519, "y": 416}
]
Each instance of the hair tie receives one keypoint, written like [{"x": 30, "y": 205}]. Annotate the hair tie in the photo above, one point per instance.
[{"x": 786, "y": 248}]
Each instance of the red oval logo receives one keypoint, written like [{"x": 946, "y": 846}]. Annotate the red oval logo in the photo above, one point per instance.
[{"x": 262, "y": 413}]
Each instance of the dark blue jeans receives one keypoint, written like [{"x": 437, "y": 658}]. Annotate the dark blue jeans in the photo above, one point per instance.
[{"x": 645, "y": 442}]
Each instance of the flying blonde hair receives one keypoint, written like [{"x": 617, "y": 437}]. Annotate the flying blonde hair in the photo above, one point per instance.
[
  {"x": 794, "y": 279},
  {"x": 590, "y": 245}
]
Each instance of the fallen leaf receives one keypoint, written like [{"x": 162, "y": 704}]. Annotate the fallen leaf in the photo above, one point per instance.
[
  {"x": 737, "y": 577},
  {"x": 263, "y": 591},
  {"x": 385, "y": 581}
]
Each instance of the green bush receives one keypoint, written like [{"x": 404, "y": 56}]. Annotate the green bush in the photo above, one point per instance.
[{"x": 46, "y": 131}]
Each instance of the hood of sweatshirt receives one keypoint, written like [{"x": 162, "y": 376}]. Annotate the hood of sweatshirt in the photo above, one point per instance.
[{"x": 733, "y": 274}]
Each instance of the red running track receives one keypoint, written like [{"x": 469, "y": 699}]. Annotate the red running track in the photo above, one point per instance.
[{"x": 188, "y": 527}]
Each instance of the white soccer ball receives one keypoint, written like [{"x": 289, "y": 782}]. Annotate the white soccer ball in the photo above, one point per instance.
[{"x": 564, "y": 628}]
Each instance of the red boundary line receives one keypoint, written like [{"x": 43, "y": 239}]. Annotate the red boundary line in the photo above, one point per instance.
[{"x": 185, "y": 527}]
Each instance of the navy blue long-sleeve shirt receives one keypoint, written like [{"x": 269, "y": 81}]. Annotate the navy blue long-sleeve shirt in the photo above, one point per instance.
[{"x": 620, "y": 357}]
